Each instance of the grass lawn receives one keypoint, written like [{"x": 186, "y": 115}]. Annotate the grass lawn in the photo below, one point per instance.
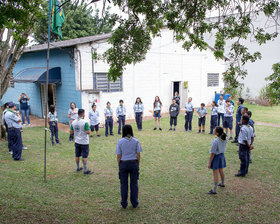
[
  {"x": 265, "y": 114},
  {"x": 173, "y": 180}
]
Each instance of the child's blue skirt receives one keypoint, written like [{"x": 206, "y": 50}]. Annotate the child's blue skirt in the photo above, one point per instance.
[
  {"x": 157, "y": 113},
  {"x": 219, "y": 162}
]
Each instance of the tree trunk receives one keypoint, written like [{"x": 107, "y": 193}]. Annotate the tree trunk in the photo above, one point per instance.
[{"x": 9, "y": 56}]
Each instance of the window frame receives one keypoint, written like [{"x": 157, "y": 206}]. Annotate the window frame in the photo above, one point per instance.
[
  {"x": 215, "y": 81},
  {"x": 109, "y": 83}
]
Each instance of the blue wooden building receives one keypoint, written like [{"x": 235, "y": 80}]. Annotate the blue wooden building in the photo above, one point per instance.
[{"x": 29, "y": 76}]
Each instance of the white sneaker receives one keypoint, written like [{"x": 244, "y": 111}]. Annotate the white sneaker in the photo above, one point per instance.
[
  {"x": 29, "y": 125},
  {"x": 24, "y": 147},
  {"x": 11, "y": 153}
]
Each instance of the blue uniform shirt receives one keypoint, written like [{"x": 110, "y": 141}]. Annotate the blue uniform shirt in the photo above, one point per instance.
[
  {"x": 138, "y": 107},
  {"x": 121, "y": 111},
  {"x": 73, "y": 113},
  {"x": 11, "y": 119},
  {"x": 252, "y": 124},
  {"x": 230, "y": 112},
  {"x": 23, "y": 103},
  {"x": 214, "y": 111},
  {"x": 52, "y": 117},
  {"x": 93, "y": 116},
  {"x": 108, "y": 112},
  {"x": 245, "y": 134},
  {"x": 218, "y": 146},
  {"x": 189, "y": 106},
  {"x": 128, "y": 148},
  {"x": 238, "y": 113},
  {"x": 201, "y": 111}
]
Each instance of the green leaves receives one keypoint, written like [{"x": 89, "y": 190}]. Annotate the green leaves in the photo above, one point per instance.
[
  {"x": 273, "y": 87},
  {"x": 130, "y": 43},
  {"x": 80, "y": 21},
  {"x": 231, "y": 22}
]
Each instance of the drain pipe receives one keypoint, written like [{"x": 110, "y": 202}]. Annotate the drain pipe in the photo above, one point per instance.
[
  {"x": 93, "y": 50},
  {"x": 80, "y": 59}
]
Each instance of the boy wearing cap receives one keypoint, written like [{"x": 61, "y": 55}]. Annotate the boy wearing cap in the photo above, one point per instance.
[{"x": 13, "y": 122}]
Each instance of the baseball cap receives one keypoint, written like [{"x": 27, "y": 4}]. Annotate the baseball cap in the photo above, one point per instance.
[{"x": 11, "y": 105}]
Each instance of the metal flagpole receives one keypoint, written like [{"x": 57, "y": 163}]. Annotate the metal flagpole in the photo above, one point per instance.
[{"x": 46, "y": 93}]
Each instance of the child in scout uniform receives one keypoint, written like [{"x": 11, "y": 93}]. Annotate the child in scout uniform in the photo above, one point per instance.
[
  {"x": 252, "y": 124},
  {"x": 4, "y": 126},
  {"x": 231, "y": 101},
  {"x": 201, "y": 111},
  {"x": 72, "y": 114},
  {"x": 13, "y": 123},
  {"x": 214, "y": 117},
  {"x": 120, "y": 113},
  {"x": 80, "y": 128},
  {"x": 128, "y": 157},
  {"x": 177, "y": 98},
  {"x": 174, "y": 112},
  {"x": 221, "y": 109},
  {"x": 245, "y": 140},
  {"x": 52, "y": 120},
  {"x": 138, "y": 110},
  {"x": 108, "y": 113},
  {"x": 189, "y": 114},
  {"x": 238, "y": 116},
  {"x": 217, "y": 161},
  {"x": 157, "y": 112},
  {"x": 228, "y": 120},
  {"x": 93, "y": 116}
]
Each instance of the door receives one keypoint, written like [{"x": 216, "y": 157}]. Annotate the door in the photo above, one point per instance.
[
  {"x": 176, "y": 87},
  {"x": 51, "y": 97}
]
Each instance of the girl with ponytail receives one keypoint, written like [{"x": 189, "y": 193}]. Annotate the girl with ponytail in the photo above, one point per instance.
[{"x": 217, "y": 161}]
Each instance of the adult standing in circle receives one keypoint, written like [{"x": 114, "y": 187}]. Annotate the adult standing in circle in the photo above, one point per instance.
[
  {"x": 13, "y": 122},
  {"x": 24, "y": 109},
  {"x": 73, "y": 115},
  {"x": 128, "y": 156}
]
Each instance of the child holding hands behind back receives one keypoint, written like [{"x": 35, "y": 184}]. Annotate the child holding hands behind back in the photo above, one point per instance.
[{"x": 217, "y": 161}]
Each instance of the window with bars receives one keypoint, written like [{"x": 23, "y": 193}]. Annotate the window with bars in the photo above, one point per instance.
[
  {"x": 212, "y": 79},
  {"x": 102, "y": 83}
]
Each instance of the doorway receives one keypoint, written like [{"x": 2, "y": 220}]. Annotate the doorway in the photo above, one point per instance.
[
  {"x": 51, "y": 96},
  {"x": 176, "y": 87}
]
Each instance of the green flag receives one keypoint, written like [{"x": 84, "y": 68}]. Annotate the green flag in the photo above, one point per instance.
[{"x": 57, "y": 17}]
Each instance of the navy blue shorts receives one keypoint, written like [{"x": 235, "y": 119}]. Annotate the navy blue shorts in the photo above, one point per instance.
[
  {"x": 218, "y": 162},
  {"x": 94, "y": 127},
  {"x": 201, "y": 121},
  {"x": 157, "y": 113},
  {"x": 81, "y": 150},
  {"x": 228, "y": 122}
]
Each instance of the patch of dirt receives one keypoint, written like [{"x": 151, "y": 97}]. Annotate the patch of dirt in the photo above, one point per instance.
[
  {"x": 5, "y": 161},
  {"x": 39, "y": 122},
  {"x": 267, "y": 124}
]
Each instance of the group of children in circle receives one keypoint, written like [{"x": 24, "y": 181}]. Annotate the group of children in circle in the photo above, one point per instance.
[{"x": 221, "y": 110}]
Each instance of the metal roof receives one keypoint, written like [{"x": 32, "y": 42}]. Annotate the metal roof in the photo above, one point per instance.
[
  {"x": 38, "y": 75},
  {"x": 68, "y": 43}
]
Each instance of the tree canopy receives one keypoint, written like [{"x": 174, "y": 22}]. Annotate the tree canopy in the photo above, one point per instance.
[
  {"x": 80, "y": 21},
  {"x": 273, "y": 87},
  {"x": 230, "y": 22},
  {"x": 16, "y": 22}
]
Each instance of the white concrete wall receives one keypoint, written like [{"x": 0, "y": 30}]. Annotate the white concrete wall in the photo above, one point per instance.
[{"x": 165, "y": 62}]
